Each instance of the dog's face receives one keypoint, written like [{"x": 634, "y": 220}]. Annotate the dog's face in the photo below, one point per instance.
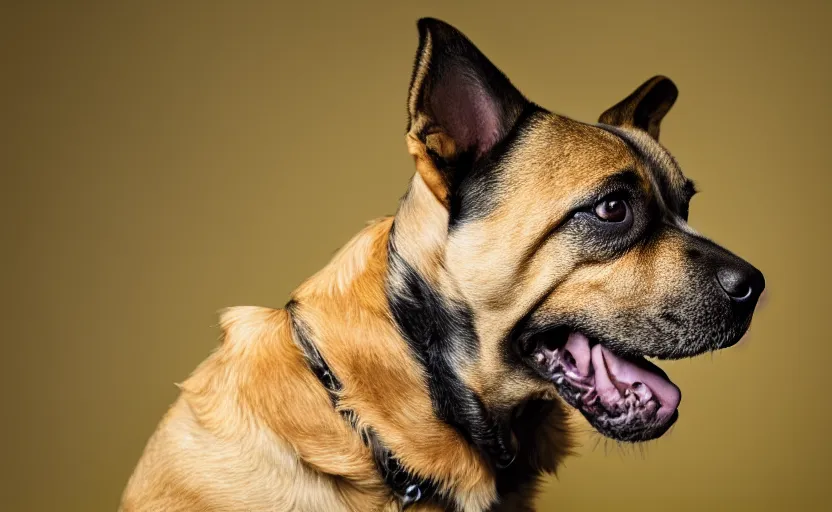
[{"x": 569, "y": 243}]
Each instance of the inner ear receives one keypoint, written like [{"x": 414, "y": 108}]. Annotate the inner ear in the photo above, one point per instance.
[
  {"x": 465, "y": 109},
  {"x": 645, "y": 107},
  {"x": 460, "y": 105}
]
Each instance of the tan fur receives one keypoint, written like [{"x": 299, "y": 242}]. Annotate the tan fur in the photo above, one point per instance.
[
  {"x": 254, "y": 430},
  {"x": 229, "y": 442},
  {"x": 502, "y": 282},
  {"x": 443, "y": 146},
  {"x": 558, "y": 160},
  {"x": 381, "y": 383}
]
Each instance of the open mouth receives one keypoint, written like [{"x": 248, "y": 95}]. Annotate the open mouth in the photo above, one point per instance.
[{"x": 628, "y": 399}]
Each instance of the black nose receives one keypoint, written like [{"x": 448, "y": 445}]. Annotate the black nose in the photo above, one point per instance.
[{"x": 743, "y": 283}]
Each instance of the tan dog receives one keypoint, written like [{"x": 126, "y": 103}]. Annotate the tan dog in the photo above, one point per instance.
[{"x": 533, "y": 257}]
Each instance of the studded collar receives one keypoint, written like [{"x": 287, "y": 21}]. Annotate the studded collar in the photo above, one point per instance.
[{"x": 407, "y": 486}]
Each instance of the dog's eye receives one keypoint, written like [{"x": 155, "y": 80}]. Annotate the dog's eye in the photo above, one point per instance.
[{"x": 612, "y": 210}]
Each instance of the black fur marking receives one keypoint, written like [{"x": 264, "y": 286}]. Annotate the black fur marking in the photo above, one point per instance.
[
  {"x": 438, "y": 332},
  {"x": 523, "y": 474},
  {"x": 407, "y": 485},
  {"x": 314, "y": 358},
  {"x": 690, "y": 189},
  {"x": 688, "y": 192}
]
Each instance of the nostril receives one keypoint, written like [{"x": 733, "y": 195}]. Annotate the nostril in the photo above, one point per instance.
[
  {"x": 739, "y": 285},
  {"x": 745, "y": 296}
]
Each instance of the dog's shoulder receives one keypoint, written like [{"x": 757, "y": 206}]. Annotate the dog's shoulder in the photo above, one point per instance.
[{"x": 235, "y": 436}]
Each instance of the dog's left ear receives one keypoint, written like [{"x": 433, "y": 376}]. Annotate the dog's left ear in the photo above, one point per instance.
[
  {"x": 459, "y": 106},
  {"x": 645, "y": 107}
]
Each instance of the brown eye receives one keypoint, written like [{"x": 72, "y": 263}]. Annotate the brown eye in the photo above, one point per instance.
[{"x": 611, "y": 210}]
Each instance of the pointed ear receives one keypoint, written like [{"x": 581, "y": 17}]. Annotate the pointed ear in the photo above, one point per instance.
[
  {"x": 645, "y": 108},
  {"x": 459, "y": 107}
]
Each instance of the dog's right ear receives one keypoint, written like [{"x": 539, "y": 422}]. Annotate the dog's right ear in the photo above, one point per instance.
[{"x": 459, "y": 107}]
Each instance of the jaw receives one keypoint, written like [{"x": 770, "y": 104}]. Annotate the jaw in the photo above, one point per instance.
[{"x": 627, "y": 399}]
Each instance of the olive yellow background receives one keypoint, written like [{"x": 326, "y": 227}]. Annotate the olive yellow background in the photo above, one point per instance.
[{"x": 162, "y": 160}]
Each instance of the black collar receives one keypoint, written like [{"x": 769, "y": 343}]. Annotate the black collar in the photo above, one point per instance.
[{"x": 407, "y": 486}]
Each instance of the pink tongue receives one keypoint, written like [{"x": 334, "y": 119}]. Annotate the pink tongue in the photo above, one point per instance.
[
  {"x": 614, "y": 374},
  {"x": 578, "y": 345}
]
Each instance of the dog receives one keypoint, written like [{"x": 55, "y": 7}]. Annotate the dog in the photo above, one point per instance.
[{"x": 533, "y": 264}]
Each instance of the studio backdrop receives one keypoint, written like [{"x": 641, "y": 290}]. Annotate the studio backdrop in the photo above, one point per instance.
[{"x": 163, "y": 160}]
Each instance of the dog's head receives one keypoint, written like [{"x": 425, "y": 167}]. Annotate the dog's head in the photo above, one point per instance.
[{"x": 566, "y": 243}]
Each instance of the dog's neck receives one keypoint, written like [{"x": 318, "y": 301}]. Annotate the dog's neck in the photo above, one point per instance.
[
  {"x": 393, "y": 270},
  {"x": 420, "y": 234},
  {"x": 436, "y": 321}
]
